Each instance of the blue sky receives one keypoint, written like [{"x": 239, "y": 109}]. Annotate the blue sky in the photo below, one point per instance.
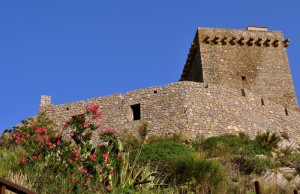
[{"x": 75, "y": 50}]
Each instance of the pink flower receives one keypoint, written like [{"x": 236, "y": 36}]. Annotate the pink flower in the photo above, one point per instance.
[
  {"x": 34, "y": 157},
  {"x": 41, "y": 139},
  {"x": 51, "y": 146},
  {"x": 41, "y": 130},
  {"x": 105, "y": 156},
  {"x": 93, "y": 157},
  {"x": 18, "y": 141},
  {"x": 92, "y": 108},
  {"x": 26, "y": 134},
  {"x": 75, "y": 152},
  {"x": 70, "y": 160},
  {"x": 97, "y": 116},
  {"x": 17, "y": 135},
  {"x": 84, "y": 170},
  {"x": 23, "y": 160},
  {"x": 108, "y": 187},
  {"x": 58, "y": 142},
  {"x": 107, "y": 131},
  {"x": 87, "y": 124}
]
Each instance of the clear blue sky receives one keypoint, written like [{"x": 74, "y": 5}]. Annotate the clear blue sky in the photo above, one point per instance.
[{"x": 74, "y": 49}]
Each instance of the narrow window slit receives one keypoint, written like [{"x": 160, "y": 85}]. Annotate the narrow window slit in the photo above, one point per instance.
[
  {"x": 155, "y": 91},
  {"x": 262, "y": 101},
  {"x": 136, "y": 111},
  {"x": 243, "y": 92},
  {"x": 286, "y": 112}
]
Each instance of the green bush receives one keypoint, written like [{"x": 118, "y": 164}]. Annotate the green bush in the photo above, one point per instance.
[
  {"x": 229, "y": 145},
  {"x": 268, "y": 141},
  {"x": 164, "y": 151},
  {"x": 163, "y": 154},
  {"x": 256, "y": 165},
  {"x": 208, "y": 175}
]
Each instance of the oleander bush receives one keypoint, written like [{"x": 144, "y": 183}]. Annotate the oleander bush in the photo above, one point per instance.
[{"x": 83, "y": 158}]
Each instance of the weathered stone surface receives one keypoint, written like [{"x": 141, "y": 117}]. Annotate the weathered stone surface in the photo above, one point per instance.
[{"x": 273, "y": 179}]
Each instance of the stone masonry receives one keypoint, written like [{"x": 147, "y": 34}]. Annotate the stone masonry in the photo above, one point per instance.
[{"x": 233, "y": 81}]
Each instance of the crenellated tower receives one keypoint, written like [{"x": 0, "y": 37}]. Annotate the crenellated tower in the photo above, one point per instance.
[{"x": 253, "y": 60}]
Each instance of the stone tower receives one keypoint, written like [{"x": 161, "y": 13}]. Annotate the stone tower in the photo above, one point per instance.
[{"x": 253, "y": 60}]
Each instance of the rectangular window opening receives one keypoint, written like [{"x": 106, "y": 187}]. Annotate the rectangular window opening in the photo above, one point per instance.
[
  {"x": 243, "y": 78},
  {"x": 136, "y": 111}
]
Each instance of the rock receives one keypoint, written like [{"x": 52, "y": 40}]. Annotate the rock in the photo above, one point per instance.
[
  {"x": 295, "y": 183},
  {"x": 288, "y": 144},
  {"x": 286, "y": 171},
  {"x": 261, "y": 156},
  {"x": 272, "y": 179}
]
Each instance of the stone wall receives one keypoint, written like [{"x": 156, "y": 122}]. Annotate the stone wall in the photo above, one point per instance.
[{"x": 190, "y": 107}]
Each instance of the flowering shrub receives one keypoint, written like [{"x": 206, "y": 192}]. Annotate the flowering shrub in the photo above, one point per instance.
[{"x": 74, "y": 151}]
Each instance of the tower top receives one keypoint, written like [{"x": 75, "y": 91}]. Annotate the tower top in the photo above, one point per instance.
[{"x": 254, "y": 59}]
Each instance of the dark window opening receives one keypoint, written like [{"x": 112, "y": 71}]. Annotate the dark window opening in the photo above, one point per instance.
[
  {"x": 243, "y": 78},
  {"x": 286, "y": 112},
  {"x": 155, "y": 91},
  {"x": 136, "y": 111},
  {"x": 243, "y": 92},
  {"x": 262, "y": 102},
  {"x": 67, "y": 108}
]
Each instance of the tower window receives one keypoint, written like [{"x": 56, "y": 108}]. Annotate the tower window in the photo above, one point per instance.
[
  {"x": 243, "y": 92},
  {"x": 243, "y": 78},
  {"x": 136, "y": 111},
  {"x": 286, "y": 112},
  {"x": 262, "y": 101}
]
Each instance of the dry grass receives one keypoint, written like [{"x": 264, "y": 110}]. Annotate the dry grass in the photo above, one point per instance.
[{"x": 20, "y": 179}]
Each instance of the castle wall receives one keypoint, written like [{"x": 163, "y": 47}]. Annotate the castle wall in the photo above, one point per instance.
[{"x": 189, "y": 107}]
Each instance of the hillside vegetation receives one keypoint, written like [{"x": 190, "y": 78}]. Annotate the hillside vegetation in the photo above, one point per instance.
[{"x": 83, "y": 158}]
